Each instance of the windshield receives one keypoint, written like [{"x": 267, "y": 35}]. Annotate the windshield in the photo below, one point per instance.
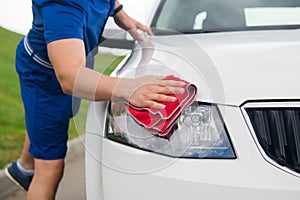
[{"x": 188, "y": 16}]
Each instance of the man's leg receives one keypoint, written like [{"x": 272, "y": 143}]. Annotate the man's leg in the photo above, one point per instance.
[
  {"x": 47, "y": 176},
  {"x": 26, "y": 159},
  {"x": 21, "y": 171},
  {"x": 47, "y": 113}
]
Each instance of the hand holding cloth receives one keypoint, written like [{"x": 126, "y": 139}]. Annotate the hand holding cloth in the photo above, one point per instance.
[{"x": 162, "y": 122}]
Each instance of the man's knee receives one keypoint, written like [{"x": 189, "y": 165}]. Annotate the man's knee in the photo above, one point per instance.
[{"x": 49, "y": 170}]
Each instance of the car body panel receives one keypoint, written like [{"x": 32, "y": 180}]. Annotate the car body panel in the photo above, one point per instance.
[
  {"x": 265, "y": 64},
  {"x": 259, "y": 60}
]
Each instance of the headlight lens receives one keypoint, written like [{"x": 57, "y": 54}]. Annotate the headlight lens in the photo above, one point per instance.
[{"x": 201, "y": 133}]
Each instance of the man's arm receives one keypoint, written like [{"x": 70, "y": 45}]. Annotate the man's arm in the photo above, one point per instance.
[{"x": 68, "y": 59}]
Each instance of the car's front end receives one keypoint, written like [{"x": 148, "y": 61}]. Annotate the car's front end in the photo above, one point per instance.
[{"x": 240, "y": 139}]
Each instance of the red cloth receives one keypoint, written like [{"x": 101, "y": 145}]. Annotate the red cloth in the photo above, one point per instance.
[{"x": 161, "y": 122}]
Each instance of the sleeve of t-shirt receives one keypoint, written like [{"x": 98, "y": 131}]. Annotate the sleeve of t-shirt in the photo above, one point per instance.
[
  {"x": 112, "y": 10},
  {"x": 62, "y": 22}
]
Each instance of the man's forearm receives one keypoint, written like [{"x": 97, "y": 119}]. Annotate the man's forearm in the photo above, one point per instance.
[{"x": 92, "y": 85}]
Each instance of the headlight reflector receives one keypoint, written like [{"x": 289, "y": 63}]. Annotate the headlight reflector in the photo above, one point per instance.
[{"x": 201, "y": 133}]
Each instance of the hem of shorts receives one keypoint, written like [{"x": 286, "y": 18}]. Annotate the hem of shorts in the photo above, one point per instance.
[{"x": 42, "y": 156}]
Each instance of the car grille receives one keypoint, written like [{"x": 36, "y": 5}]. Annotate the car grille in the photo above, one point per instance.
[{"x": 278, "y": 132}]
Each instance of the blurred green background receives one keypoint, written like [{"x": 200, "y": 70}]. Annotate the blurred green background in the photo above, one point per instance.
[
  {"x": 12, "y": 126},
  {"x": 12, "y": 123}
]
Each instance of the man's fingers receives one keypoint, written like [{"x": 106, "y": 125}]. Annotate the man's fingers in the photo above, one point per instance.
[
  {"x": 162, "y": 97},
  {"x": 168, "y": 90},
  {"x": 148, "y": 91},
  {"x": 171, "y": 83},
  {"x": 137, "y": 36},
  {"x": 155, "y": 105},
  {"x": 147, "y": 30}
]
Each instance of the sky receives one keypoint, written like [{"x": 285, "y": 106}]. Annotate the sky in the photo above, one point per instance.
[{"x": 15, "y": 15}]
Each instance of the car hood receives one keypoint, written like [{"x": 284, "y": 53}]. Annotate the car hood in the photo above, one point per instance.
[{"x": 228, "y": 68}]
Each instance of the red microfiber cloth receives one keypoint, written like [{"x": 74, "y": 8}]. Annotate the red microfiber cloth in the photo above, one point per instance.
[{"x": 163, "y": 122}]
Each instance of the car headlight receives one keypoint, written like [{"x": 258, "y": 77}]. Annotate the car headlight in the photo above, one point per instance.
[{"x": 200, "y": 133}]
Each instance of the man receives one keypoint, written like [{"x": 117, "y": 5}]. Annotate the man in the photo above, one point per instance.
[{"x": 50, "y": 62}]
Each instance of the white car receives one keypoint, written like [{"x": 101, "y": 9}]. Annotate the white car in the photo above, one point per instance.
[{"x": 240, "y": 138}]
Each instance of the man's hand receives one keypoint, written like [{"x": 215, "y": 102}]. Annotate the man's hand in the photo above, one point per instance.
[
  {"x": 147, "y": 91},
  {"x": 127, "y": 23}
]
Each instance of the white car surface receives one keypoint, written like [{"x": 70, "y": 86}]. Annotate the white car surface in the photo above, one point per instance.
[{"x": 240, "y": 139}]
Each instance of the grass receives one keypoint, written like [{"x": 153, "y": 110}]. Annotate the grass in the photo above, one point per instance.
[{"x": 12, "y": 124}]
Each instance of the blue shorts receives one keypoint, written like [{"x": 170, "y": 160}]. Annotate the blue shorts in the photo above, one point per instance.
[{"x": 47, "y": 108}]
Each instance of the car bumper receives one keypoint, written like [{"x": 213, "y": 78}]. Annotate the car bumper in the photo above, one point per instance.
[{"x": 115, "y": 171}]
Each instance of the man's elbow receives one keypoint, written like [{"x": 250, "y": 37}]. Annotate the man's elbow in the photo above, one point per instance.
[
  {"x": 66, "y": 77},
  {"x": 67, "y": 85}
]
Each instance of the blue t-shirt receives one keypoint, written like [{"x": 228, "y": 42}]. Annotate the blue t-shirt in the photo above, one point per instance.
[{"x": 62, "y": 19}]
